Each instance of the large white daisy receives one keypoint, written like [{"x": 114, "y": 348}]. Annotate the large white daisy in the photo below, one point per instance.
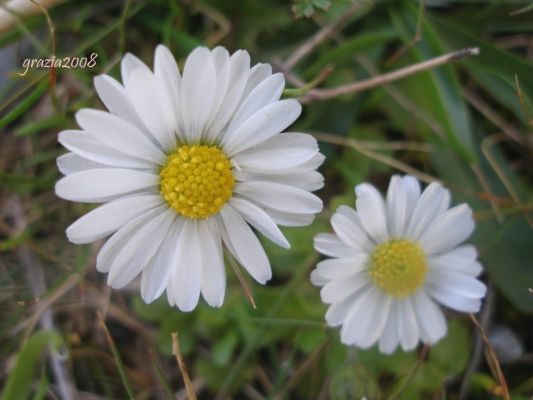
[
  {"x": 185, "y": 164},
  {"x": 393, "y": 261}
]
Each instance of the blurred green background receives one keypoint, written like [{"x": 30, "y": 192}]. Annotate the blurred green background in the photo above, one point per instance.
[{"x": 468, "y": 123}]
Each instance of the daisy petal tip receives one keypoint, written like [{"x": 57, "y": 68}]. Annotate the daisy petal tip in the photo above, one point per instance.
[
  {"x": 147, "y": 299},
  {"x": 187, "y": 306}
]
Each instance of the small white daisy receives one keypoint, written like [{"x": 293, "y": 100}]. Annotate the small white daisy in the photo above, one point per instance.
[
  {"x": 393, "y": 261},
  {"x": 185, "y": 164}
]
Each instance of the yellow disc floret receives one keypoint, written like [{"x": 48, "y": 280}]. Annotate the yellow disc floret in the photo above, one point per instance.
[
  {"x": 398, "y": 267},
  {"x": 197, "y": 180}
]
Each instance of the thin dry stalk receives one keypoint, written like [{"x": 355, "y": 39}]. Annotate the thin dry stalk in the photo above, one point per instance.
[
  {"x": 411, "y": 374},
  {"x": 417, "y": 38},
  {"x": 404, "y": 102},
  {"x": 483, "y": 181},
  {"x": 12, "y": 11},
  {"x": 492, "y": 361},
  {"x": 213, "y": 14},
  {"x": 181, "y": 364},
  {"x": 354, "y": 144},
  {"x": 355, "y": 87},
  {"x": 523, "y": 104},
  {"x": 488, "y": 112},
  {"x": 486, "y": 145},
  {"x": 242, "y": 280},
  {"x": 327, "y": 31}
]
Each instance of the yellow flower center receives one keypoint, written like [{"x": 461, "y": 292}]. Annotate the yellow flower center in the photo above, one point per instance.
[
  {"x": 196, "y": 180},
  {"x": 398, "y": 267}
]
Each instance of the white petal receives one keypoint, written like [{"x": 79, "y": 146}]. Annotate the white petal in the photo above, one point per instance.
[
  {"x": 317, "y": 278},
  {"x": 338, "y": 289},
  {"x": 346, "y": 224},
  {"x": 266, "y": 92},
  {"x": 168, "y": 80},
  {"x": 466, "y": 252},
  {"x": 96, "y": 184},
  {"x": 402, "y": 196},
  {"x": 371, "y": 211},
  {"x": 155, "y": 277},
  {"x": 228, "y": 98},
  {"x": 213, "y": 272},
  {"x": 198, "y": 87},
  {"x": 115, "y": 243},
  {"x": 260, "y": 221},
  {"x": 407, "y": 326},
  {"x": 280, "y": 197},
  {"x": 449, "y": 230},
  {"x": 431, "y": 321},
  {"x": 119, "y": 134},
  {"x": 258, "y": 73},
  {"x": 308, "y": 181},
  {"x": 116, "y": 100},
  {"x": 457, "y": 282},
  {"x": 139, "y": 249},
  {"x": 129, "y": 64},
  {"x": 337, "y": 311},
  {"x": 288, "y": 218},
  {"x": 389, "y": 338},
  {"x": 279, "y": 152},
  {"x": 88, "y": 146},
  {"x": 453, "y": 261},
  {"x": 220, "y": 58},
  {"x": 186, "y": 278},
  {"x": 244, "y": 245},
  {"x": 433, "y": 202},
  {"x": 70, "y": 163},
  {"x": 106, "y": 219},
  {"x": 264, "y": 124},
  {"x": 338, "y": 268},
  {"x": 451, "y": 299},
  {"x": 330, "y": 245},
  {"x": 365, "y": 321},
  {"x": 152, "y": 103}
]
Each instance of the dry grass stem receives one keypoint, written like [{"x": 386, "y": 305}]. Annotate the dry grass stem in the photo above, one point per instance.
[
  {"x": 376, "y": 81},
  {"x": 327, "y": 31},
  {"x": 492, "y": 361},
  {"x": 242, "y": 280},
  {"x": 356, "y": 145},
  {"x": 183, "y": 368},
  {"x": 486, "y": 146}
]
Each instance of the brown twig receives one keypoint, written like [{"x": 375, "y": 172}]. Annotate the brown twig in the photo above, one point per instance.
[
  {"x": 477, "y": 353},
  {"x": 355, "y": 87},
  {"x": 523, "y": 104},
  {"x": 52, "y": 75},
  {"x": 404, "y": 102},
  {"x": 328, "y": 30},
  {"x": 356, "y": 145},
  {"x": 485, "y": 185},
  {"x": 116, "y": 356},
  {"x": 411, "y": 374},
  {"x": 418, "y": 36},
  {"x": 492, "y": 360},
  {"x": 242, "y": 279},
  {"x": 181, "y": 364},
  {"x": 213, "y": 14},
  {"x": 488, "y": 112},
  {"x": 486, "y": 145}
]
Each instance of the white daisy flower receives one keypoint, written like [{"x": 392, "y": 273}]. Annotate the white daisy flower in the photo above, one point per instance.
[
  {"x": 393, "y": 261},
  {"x": 187, "y": 164}
]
